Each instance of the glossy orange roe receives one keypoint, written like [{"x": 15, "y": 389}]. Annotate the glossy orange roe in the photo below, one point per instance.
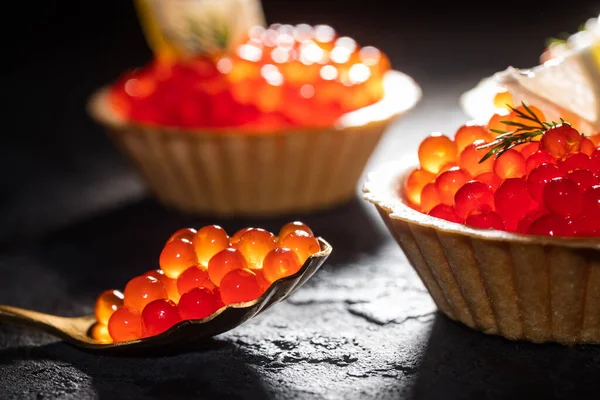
[
  {"x": 468, "y": 134},
  {"x": 236, "y": 236},
  {"x": 254, "y": 245},
  {"x": 208, "y": 241},
  {"x": 510, "y": 165},
  {"x": 125, "y": 325},
  {"x": 177, "y": 256},
  {"x": 301, "y": 243},
  {"x": 448, "y": 183},
  {"x": 548, "y": 185},
  {"x": 293, "y": 226},
  {"x": 415, "y": 183},
  {"x": 276, "y": 78},
  {"x": 429, "y": 197},
  {"x": 496, "y": 122},
  {"x": 470, "y": 159},
  {"x": 106, "y": 304},
  {"x": 194, "y": 277},
  {"x": 169, "y": 284},
  {"x": 183, "y": 233},
  {"x": 279, "y": 263},
  {"x": 224, "y": 261},
  {"x": 242, "y": 270},
  {"x": 436, "y": 151},
  {"x": 100, "y": 333},
  {"x": 142, "y": 290}
]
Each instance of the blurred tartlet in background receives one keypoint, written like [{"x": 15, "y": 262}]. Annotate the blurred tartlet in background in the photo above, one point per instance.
[
  {"x": 257, "y": 121},
  {"x": 566, "y": 83}
]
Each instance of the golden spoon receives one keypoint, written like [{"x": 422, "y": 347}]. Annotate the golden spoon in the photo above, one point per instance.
[{"x": 76, "y": 330}]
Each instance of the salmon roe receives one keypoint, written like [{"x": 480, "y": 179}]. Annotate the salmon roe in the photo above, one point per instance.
[
  {"x": 201, "y": 271},
  {"x": 169, "y": 284},
  {"x": 548, "y": 184},
  {"x": 177, "y": 256},
  {"x": 208, "y": 241},
  {"x": 278, "y": 77},
  {"x": 254, "y": 246}
]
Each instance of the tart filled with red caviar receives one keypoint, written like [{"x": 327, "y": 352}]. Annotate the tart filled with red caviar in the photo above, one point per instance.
[
  {"x": 202, "y": 272},
  {"x": 502, "y": 223},
  {"x": 284, "y": 122}
]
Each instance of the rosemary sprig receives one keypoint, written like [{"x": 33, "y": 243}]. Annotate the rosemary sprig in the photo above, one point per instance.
[{"x": 524, "y": 132}]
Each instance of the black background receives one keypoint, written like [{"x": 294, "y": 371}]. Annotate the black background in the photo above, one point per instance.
[{"x": 76, "y": 219}]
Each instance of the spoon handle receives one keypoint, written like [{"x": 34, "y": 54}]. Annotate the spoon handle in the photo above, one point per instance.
[
  {"x": 28, "y": 318},
  {"x": 71, "y": 329}
]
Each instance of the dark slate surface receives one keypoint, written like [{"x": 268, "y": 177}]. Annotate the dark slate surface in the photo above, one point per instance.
[{"x": 75, "y": 219}]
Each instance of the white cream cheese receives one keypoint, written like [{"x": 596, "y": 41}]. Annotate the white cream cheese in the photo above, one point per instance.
[{"x": 567, "y": 85}]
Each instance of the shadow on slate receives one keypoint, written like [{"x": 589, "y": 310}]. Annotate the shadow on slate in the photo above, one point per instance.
[
  {"x": 221, "y": 370},
  {"x": 460, "y": 363}
]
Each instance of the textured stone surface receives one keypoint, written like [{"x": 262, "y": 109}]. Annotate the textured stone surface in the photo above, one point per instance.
[
  {"x": 78, "y": 221},
  {"x": 363, "y": 327}
]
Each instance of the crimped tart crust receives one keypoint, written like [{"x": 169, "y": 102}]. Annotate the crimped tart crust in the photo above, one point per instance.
[{"x": 521, "y": 287}]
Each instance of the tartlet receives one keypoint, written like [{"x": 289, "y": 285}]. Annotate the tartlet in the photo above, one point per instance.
[
  {"x": 235, "y": 171},
  {"x": 522, "y": 287},
  {"x": 503, "y": 228}
]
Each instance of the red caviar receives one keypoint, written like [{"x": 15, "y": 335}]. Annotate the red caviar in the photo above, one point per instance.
[
  {"x": 199, "y": 303},
  {"x": 511, "y": 165},
  {"x": 208, "y": 241},
  {"x": 254, "y": 246},
  {"x": 100, "y": 333},
  {"x": 273, "y": 79},
  {"x": 448, "y": 183},
  {"x": 169, "y": 284},
  {"x": 192, "y": 278},
  {"x": 293, "y": 226},
  {"x": 158, "y": 316},
  {"x": 414, "y": 184},
  {"x": 473, "y": 197},
  {"x": 177, "y": 256},
  {"x": 125, "y": 325},
  {"x": 470, "y": 159},
  {"x": 561, "y": 140},
  {"x": 546, "y": 184},
  {"x": 468, "y": 134},
  {"x": 183, "y": 233},
  {"x": 107, "y": 303},
  {"x": 436, "y": 151},
  {"x": 279, "y": 263},
  {"x": 239, "y": 271},
  {"x": 142, "y": 290},
  {"x": 224, "y": 261},
  {"x": 302, "y": 243},
  {"x": 239, "y": 285}
]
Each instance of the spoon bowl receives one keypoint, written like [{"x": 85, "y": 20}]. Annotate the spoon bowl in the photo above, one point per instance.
[{"x": 76, "y": 330}]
